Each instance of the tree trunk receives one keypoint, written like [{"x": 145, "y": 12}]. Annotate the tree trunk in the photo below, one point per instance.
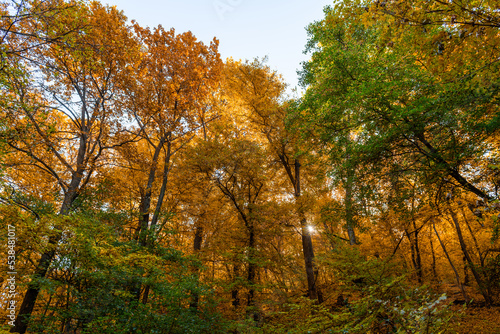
[
  {"x": 28, "y": 304},
  {"x": 29, "y": 300},
  {"x": 166, "y": 170},
  {"x": 466, "y": 271},
  {"x": 349, "y": 215},
  {"x": 234, "y": 292},
  {"x": 146, "y": 199},
  {"x": 198, "y": 239},
  {"x": 251, "y": 266},
  {"x": 309, "y": 261},
  {"x": 476, "y": 275},
  {"x": 145, "y": 241},
  {"x": 412, "y": 251},
  {"x": 433, "y": 265},
  {"x": 418, "y": 257},
  {"x": 307, "y": 246},
  {"x": 457, "y": 277},
  {"x": 476, "y": 244}
]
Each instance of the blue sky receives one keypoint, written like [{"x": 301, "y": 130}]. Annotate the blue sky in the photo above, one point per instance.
[{"x": 245, "y": 28}]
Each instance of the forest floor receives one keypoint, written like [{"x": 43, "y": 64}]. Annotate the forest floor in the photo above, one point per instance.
[{"x": 475, "y": 318}]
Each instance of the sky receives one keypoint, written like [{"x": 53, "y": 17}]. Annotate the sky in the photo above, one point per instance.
[{"x": 246, "y": 29}]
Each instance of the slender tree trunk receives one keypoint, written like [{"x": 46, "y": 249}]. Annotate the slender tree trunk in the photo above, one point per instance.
[
  {"x": 433, "y": 265},
  {"x": 307, "y": 246},
  {"x": 234, "y": 292},
  {"x": 198, "y": 234},
  {"x": 166, "y": 170},
  {"x": 349, "y": 211},
  {"x": 159, "y": 203},
  {"x": 418, "y": 258},
  {"x": 349, "y": 215},
  {"x": 412, "y": 252},
  {"x": 198, "y": 239},
  {"x": 457, "y": 277},
  {"x": 466, "y": 271},
  {"x": 476, "y": 275},
  {"x": 146, "y": 199},
  {"x": 251, "y": 266},
  {"x": 476, "y": 244},
  {"x": 309, "y": 261}
]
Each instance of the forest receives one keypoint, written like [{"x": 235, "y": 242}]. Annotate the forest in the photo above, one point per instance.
[{"x": 149, "y": 186}]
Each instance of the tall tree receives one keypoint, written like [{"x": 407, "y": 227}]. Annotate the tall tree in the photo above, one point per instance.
[
  {"x": 238, "y": 168},
  {"x": 260, "y": 92},
  {"x": 167, "y": 92},
  {"x": 61, "y": 119},
  {"x": 399, "y": 107}
]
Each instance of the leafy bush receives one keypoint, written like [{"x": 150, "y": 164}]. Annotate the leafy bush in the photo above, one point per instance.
[
  {"x": 381, "y": 302},
  {"x": 95, "y": 282}
]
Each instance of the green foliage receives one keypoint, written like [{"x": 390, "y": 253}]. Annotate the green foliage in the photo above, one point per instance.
[
  {"x": 301, "y": 316},
  {"x": 376, "y": 105},
  {"x": 5, "y": 330},
  {"x": 92, "y": 285},
  {"x": 496, "y": 229},
  {"x": 491, "y": 271},
  {"x": 380, "y": 301},
  {"x": 383, "y": 299}
]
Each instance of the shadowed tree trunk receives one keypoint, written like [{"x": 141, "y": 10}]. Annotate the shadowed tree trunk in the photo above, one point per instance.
[
  {"x": 415, "y": 250},
  {"x": 433, "y": 265},
  {"x": 482, "y": 288},
  {"x": 348, "y": 202},
  {"x": 457, "y": 277},
  {"x": 418, "y": 257},
  {"x": 235, "y": 291},
  {"x": 349, "y": 214},
  {"x": 307, "y": 245},
  {"x": 251, "y": 264},
  {"x": 476, "y": 244},
  {"x": 145, "y": 241},
  {"x": 164, "y": 183},
  {"x": 198, "y": 239},
  {"x": 145, "y": 205}
]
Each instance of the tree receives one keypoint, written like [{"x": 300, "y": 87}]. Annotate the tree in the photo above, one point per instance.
[
  {"x": 413, "y": 111},
  {"x": 167, "y": 91},
  {"x": 261, "y": 92},
  {"x": 25, "y": 26},
  {"x": 60, "y": 120},
  {"x": 167, "y": 94},
  {"x": 398, "y": 108},
  {"x": 237, "y": 167}
]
